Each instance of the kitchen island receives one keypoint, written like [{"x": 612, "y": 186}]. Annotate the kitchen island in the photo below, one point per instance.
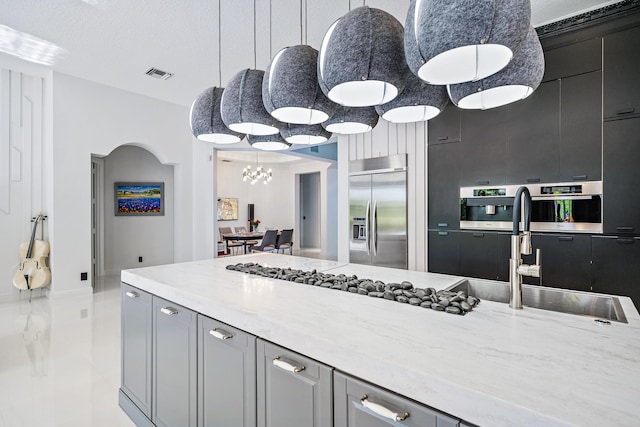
[{"x": 491, "y": 367}]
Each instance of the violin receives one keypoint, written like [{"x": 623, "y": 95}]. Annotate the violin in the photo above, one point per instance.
[{"x": 33, "y": 272}]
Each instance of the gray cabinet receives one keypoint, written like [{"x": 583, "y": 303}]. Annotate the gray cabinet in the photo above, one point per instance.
[
  {"x": 621, "y": 205},
  {"x": 359, "y": 404},
  {"x": 444, "y": 186},
  {"x": 616, "y": 266},
  {"x": 483, "y": 147},
  {"x": 573, "y": 59},
  {"x": 533, "y": 136},
  {"x": 621, "y": 65},
  {"x": 174, "y": 365},
  {"x": 566, "y": 261},
  {"x": 444, "y": 252},
  {"x": 136, "y": 347},
  {"x": 226, "y": 375},
  {"x": 478, "y": 254},
  {"x": 581, "y": 128},
  {"x": 293, "y": 390},
  {"x": 445, "y": 127}
]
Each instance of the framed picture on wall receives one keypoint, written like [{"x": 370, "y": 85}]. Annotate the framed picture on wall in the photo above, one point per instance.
[
  {"x": 227, "y": 209},
  {"x": 139, "y": 198}
]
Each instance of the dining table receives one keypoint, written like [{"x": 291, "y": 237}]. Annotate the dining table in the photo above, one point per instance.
[{"x": 244, "y": 237}]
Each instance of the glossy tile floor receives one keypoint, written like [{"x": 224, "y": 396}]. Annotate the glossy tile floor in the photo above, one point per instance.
[{"x": 60, "y": 360}]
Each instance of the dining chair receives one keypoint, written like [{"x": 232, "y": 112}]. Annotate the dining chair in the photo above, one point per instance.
[
  {"x": 285, "y": 241},
  {"x": 249, "y": 243},
  {"x": 231, "y": 244},
  {"x": 268, "y": 242}
]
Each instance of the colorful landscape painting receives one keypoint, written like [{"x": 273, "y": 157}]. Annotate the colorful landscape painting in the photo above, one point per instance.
[{"x": 139, "y": 198}]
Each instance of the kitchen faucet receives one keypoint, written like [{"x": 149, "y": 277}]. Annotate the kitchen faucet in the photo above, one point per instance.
[{"x": 521, "y": 244}]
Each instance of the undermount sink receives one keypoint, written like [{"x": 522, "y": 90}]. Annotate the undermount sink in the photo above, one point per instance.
[{"x": 561, "y": 300}]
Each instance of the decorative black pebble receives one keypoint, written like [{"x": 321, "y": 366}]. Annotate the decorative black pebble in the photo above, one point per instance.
[{"x": 455, "y": 303}]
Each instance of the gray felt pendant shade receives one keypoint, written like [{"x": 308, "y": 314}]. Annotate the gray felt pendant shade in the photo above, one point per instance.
[
  {"x": 206, "y": 122},
  {"x": 268, "y": 142},
  {"x": 455, "y": 41},
  {"x": 305, "y": 134},
  {"x": 515, "y": 82},
  {"x": 361, "y": 61},
  {"x": 242, "y": 108},
  {"x": 352, "y": 120},
  {"x": 419, "y": 101},
  {"x": 290, "y": 89}
]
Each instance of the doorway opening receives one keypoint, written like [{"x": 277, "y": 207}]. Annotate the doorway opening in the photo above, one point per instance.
[
  {"x": 97, "y": 197},
  {"x": 310, "y": 212}
]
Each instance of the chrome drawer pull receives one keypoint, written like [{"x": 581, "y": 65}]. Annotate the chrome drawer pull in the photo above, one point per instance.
[
  {"x": 382, "y": 411},
  {"x": 132, "y": 294},
  {"x": 282, "y": 364},
  {"x": 220, "y": 334},
  {"x": 169, "y": 311}
]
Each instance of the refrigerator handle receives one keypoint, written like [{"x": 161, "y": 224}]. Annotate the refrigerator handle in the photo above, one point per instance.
[
  {"x": 366, "y": 226},
  {"x": 374, "y": 228}
]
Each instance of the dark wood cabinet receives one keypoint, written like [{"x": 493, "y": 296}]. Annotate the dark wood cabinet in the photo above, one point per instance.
[
  {"x": 566, "y": 261},
  {"x": 444, "y": 252},
  {"x": 533, "y": 136},
  {"x": 479, "y": 254},
  {"x": 621, "y": 157},
  {"x": 483, "y": 156},
  {"x": 445, "y": 127},
  {"x": 616, "y": 266},
  {"x": 573, "y": 59},
  {"x": 444, "y": 186},
  {"x": 621, "y": 70},
  {"x": 581, "y": 128}
]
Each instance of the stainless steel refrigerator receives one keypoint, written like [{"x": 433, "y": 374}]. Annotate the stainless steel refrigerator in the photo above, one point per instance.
[{"x": 378, "y": 211}]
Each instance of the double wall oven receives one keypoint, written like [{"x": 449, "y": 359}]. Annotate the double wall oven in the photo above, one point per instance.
[{"x": 560, "y": 207}]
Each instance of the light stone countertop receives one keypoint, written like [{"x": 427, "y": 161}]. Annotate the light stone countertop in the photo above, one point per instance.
[{"x": 492, "y": 367}]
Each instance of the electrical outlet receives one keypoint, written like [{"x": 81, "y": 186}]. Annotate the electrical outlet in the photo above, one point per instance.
[
  {"x": 84, "y": 276},
  {"x": 139, "y": 259}
]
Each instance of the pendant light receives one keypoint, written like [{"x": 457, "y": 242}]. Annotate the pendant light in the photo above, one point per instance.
[
  {"x": 290, "y": 89},
  {"x": 305, "y": 134},
  {"x": 268, "y": 142},
  {"x": 455, "y": 41},
  {"x": 257, "y": 174},
  {"x": 204, "y": 115},
  {"x": 206, "y": 122},
  {"x": 517, "y": 81},
  {"x": 361, "y": 61},
  {"x": 419, "y": 101},
  {"x": 352, "y": 120},
  {"x": 242, "y": 108}
]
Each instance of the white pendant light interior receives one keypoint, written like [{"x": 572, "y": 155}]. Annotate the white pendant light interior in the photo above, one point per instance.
[
  {"x": 495, "y": 97},
  {"x": 348, "y": 128},
  {"x": 306, "y": 139},
  {"x": 411, "y": 113},
  {"x": 466, "y": 63},
  {"x": 363, "y": 93},
  {"x": 271, "y": 145}
]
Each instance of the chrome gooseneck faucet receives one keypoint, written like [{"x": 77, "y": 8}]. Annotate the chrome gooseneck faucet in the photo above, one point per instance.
[{"x": 521, "y": 244}]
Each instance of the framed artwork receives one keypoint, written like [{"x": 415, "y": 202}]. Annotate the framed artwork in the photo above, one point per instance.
[
  {"x": 139, "y": 198},
  {"x": 227, "y": 209}
]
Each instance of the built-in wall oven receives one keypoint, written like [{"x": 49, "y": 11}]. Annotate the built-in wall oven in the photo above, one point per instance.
[{"x": 560, "y": 207}]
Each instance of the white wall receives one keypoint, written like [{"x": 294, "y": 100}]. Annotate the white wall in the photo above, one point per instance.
[
  {"x": 24, "y": 153},
  {"x": 89, "y": 118},
  {"x": 126, "y": 238}
]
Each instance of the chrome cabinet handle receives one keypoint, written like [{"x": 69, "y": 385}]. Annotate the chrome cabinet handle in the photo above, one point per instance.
[
  {"x": 132, "y": 294},
  {"x": 220, "y": 334},
  {"x": 366, "y": 227},
  {"x": 169, "y": 311},
  {"x": 382, "y": 411},
  {"x": 283, "y": 364}
]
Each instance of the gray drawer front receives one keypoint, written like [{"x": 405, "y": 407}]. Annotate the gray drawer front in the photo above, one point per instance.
[
  {"x": 226, "y": 374},
  {"x": 350, "y": 412}
]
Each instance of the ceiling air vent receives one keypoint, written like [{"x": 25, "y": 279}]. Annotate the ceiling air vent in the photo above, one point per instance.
[{"x": 158, "y": 74}]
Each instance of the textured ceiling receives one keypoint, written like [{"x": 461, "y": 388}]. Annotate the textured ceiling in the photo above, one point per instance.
[{"x": 114, "y": 42}]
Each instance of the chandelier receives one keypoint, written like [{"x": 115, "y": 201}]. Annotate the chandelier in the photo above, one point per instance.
[{"x": 256, "y": 175}]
